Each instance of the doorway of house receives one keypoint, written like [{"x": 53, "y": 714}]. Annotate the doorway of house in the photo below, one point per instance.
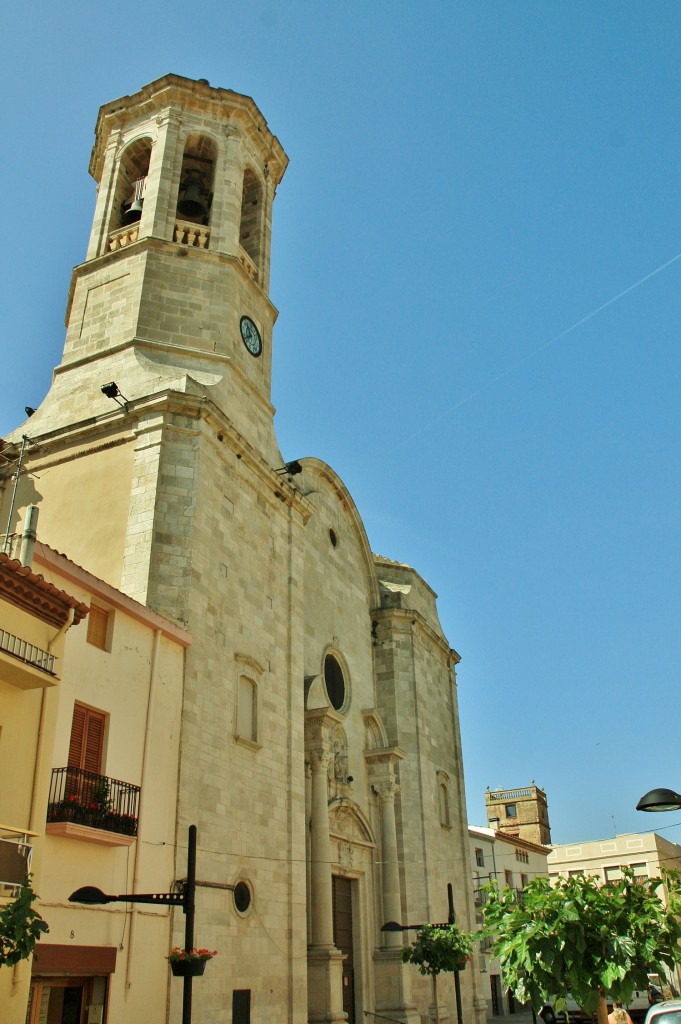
[
  {"x": 342, "y": 939},
  {"x": 60, "y": 1001},
  {"x": 497, "y": 994}
]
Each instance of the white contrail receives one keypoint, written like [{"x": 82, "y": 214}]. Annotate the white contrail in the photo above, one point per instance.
[{"x": 533, "y": 352}]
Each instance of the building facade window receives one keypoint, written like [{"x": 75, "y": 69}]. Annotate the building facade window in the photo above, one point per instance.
[
  {"x": 511, "y": 810},
  {"x": 247, "y": 710},
  {"x": 86, "y": 746},
  {"x": 98, "y": 627},
  {"x": 479, "y": 857},
  {"x": 444, "y": 803},
  {"x": 334, "y": 682}
]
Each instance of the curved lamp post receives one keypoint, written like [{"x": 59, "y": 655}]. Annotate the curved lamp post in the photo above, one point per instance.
[
  {"x": 660, "y": 800},
  {"x": 91, "y": 896},
  {"x": 395, "y": 926}
]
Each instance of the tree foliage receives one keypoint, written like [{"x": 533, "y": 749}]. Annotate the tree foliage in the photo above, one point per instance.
[
  {"x": 438, "y": 948},
  {"x": 583, "y": 937},
  {"x": 20, "y": 927}
]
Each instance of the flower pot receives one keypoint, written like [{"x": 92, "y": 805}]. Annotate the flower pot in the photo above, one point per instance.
[{"x": 188, "y": 968}]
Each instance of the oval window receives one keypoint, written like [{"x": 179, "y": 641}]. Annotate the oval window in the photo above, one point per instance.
[
  {"x": 335, "y": 684},
  {"x": 242, "y": 897}
]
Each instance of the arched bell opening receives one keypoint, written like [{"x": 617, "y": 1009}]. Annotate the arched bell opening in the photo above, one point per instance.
[
  {"x": 250, "y": 230},
  {"x": 131, "y": 183},
  {"x": 195, "y": 194}
]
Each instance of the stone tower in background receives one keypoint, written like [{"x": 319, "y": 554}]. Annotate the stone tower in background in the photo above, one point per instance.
[{"x": 521, "y": 813}]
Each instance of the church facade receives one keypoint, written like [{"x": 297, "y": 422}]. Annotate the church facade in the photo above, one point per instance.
[{"x": 320, "y": 755}]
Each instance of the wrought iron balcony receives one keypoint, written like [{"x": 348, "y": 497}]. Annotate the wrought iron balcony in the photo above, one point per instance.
[
  {"x": 85, "y": 798},
  {"x": 24, "y": 665}
]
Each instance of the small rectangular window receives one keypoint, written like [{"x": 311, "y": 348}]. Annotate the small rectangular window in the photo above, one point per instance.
[
  {"x": 479, "y": 857},
  {"x": 508, "y": 878},
  {"x": 511, "y": 811},
  {"x": 247, "y": 710},
  {"x": 241, "y": 1006},
  {"x": 98, "y": 627}
]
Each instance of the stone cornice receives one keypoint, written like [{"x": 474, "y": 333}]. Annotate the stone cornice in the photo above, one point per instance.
[
  {"x": 174, "y": 91},
  {"x": 141, "y": 246},
  {"x": 407, "y": 620},
  {"x": 49, "y": 448},
  {"x": 388, "y": 755}
]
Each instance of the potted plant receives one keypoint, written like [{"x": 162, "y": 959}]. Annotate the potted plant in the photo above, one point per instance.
[{"x": 189, "y": 962}]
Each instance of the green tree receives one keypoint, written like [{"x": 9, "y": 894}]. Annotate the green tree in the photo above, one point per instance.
[
  {"x": 437, "y": 948},
  {"x": 20, "y": 927},
  {"x": 584, "y": 938}
]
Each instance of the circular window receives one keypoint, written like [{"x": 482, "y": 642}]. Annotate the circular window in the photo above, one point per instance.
[
  {"x": 335, "y": 684},
  {"x": 242, "y": 897}
]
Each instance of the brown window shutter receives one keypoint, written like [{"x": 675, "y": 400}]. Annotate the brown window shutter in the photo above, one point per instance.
[
  {"x": 87, "y": 739},
  {"x": 94, "y": 743},
  {"x": 77, "y": 734},
  {"x": 97, "y": 626}
]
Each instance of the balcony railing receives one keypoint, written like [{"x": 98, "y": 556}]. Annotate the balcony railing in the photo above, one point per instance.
[
  {"x": 85, "y": 798},
  {"x": 24, "y": 651},
  {"x": 508, "y": 794}
]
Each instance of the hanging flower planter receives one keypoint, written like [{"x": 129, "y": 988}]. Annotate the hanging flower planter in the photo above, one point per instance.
[
  {"x": 188, "y": 968},
  {"x": 189, "y": 963}
]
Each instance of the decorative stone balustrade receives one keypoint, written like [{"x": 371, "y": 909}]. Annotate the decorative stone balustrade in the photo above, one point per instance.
[
  {"x": 248, "y": 264},
  {"x": 188, "y": 233},
  {"x": 121, "y": 237}
]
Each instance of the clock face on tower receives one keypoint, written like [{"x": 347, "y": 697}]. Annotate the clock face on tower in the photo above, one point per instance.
[{"x": 251, "y": 336}]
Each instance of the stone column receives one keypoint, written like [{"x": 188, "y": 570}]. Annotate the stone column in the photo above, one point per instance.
[
  {"x": 392, "y": 903},
  {"x": 324, "y": 961},
  {"x": 160, "y": 196},
  {"x": 107, "y": 187},
  {"x": 393, "y": 978},
  {"x": 228, "y": 187},
  {"x": 320, "y": 853}
]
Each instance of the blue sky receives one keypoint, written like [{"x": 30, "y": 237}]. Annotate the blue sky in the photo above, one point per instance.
[{"x": 474, "y": 259}]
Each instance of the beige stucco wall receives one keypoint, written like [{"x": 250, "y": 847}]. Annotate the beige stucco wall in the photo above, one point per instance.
[
  {"x": 27, "y": 722},
  {"x": 138, "y": 684}
]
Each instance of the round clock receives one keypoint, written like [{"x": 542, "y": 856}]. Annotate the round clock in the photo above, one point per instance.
[{"x": 251, "y": 336}]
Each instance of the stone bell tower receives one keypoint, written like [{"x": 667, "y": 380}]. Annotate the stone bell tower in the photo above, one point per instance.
[
  {"x": 169, "y": 326},
  {"x": 153, "y": 461},
  {"x": 175, "y": 282}
]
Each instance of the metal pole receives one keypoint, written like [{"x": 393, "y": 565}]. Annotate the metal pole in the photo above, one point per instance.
[
  {"x": 457, "y": 984},
  {"x": 189, "y": 906},
  {"x": 24, "y": 439}
]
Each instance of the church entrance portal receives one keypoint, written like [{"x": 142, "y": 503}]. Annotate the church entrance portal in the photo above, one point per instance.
[{"x": 342, "y": 939}]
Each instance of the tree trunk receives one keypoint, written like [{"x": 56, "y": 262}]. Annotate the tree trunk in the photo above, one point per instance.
[
  {"x": 602, "y": 1009},
  {"x": 437, "y": 1008}
]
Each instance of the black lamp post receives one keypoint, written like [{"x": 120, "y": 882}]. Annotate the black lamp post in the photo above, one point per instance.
[
  {"x": 92, "y": 896},
  {"x": 395, "y": 926},
  {"x": 660, "y": 800}
]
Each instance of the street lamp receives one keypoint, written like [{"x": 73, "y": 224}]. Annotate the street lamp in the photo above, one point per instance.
[
  {"x": 91, "y": 896},
  {"x": 660, "y": 800},
  {"x": 395, "y": 926}
]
